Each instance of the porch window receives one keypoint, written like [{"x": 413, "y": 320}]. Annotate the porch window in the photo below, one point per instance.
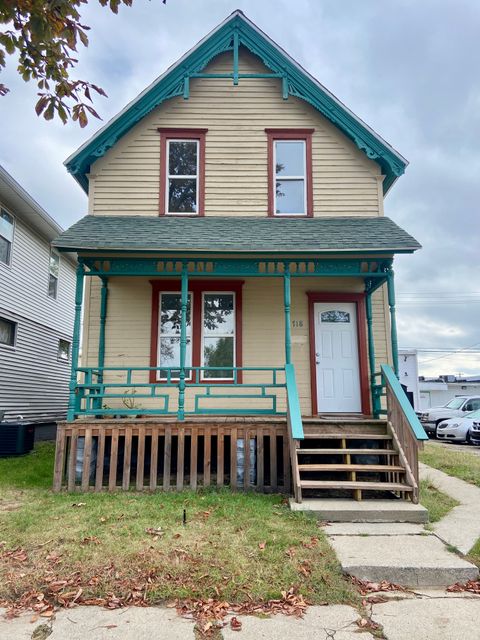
[
  {"x": 182, "y": 166},
  {"x": 289, "y": 172},
  {"x": 218, "y": 340},
  {"x": 53, "y": 274},
  {"x": 6, "y": 236},
  {"x": 169, "y": 333},
  {"x": 214, "y": 330}
]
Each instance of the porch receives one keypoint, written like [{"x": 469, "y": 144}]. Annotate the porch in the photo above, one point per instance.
[{"x": 176, "y": 426}]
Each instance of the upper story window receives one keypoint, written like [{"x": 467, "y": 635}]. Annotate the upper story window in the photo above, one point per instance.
[
  {"x": 290, "y": 172},
  {"x": 182, "y": 171},
  {"x": 6, "y": 236},
  {"x": 53, "y": 274}
]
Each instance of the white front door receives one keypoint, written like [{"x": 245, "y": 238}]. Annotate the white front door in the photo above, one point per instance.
[{"x": 336, "y": 357}]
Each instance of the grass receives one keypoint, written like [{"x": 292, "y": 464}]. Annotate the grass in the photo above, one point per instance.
[
  {"x": 463, "y": 465},
  {"x": 235, "y": 546},
  {"x": 437, "y": 503},
  {"x": 474, "y": 554}
]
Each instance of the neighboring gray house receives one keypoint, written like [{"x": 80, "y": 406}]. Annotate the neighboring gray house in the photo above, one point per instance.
[{"x": 37, "y": 288}]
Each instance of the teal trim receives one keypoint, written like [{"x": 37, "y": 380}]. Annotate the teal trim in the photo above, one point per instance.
[
  {"x": 287, "y": 304},
  {"x": 371, "y": 353},
  {"x": 293, "y": 404},
  {"x": 298, "y": 82},
  {"x": 393, "y": 320},
  {"x": 103, "y": 320},
  {"x": 74, "y": 395},
  {"x": 183, "y": 342},
  {"x": 186, "y": 88},
  {"x": 235, "y": 57},
  {"x": 246, "y": 267},
  {"x": 390, "y": 377}
]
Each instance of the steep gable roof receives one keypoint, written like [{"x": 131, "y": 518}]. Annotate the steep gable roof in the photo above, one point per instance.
[{"x": 237, "y": 30}]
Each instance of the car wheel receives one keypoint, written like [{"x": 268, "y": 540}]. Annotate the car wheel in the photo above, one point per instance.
[{"x": 468, "y": 439}]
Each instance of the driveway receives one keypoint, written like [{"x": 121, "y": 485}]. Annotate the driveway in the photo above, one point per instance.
[{"x": 463, "y": 448}]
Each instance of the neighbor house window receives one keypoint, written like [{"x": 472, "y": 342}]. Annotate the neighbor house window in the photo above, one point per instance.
[
  {"x": 8, "y": 330},
  {"x": 290, "y": 172},
  {"x": 64, "y": 350},
  {"x": 213, "y": 330},
  {"x": 6, "y": 236},
  {"x": 53, "y": 274},
  {"x": 182, "y": 171}
]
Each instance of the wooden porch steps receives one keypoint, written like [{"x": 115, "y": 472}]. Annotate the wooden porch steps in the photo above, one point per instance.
[{"x": 365, "y": 456}]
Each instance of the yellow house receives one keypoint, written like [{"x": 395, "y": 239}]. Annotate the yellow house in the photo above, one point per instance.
[{"x": 236, "y": 272}]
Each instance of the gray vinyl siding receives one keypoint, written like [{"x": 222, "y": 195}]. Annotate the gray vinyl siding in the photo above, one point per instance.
[
  {"x": 33, "y": 382},
  {"x": 24, "y": 283}
]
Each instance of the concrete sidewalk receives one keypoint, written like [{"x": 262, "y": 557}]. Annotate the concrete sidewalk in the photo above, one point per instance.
[{"x": 422, "y": 616}]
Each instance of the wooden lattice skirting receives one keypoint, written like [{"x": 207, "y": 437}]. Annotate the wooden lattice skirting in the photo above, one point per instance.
[{"x": 148, "y": 455}]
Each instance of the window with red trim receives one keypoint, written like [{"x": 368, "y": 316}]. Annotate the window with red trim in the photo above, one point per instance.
[
  {"x": 214, "y": 328},
  {"x": 182, "y": 171},
  {"x": 290, "y": 172}
]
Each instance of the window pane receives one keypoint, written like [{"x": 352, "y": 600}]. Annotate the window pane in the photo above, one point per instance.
[
  {"x": 171, "y": 314},
  {"x": 52, "y": 286},
  {"x": 182, "y": 195},
  {"x": 289, "y": 196},
  {"x": 54, "y": 264},
  {"x": 7, "y": 332},
  {"x": 170, "y": 356},
  {"x": 63, "y": 349},
  {"x": 5, "y": 248},
  {"x": 182, "y": 159},
  {"x": 6, "y": 225},
  {"x": 218, "y": 352},
  {"x": 335, "y": 316},
  {"x": 290, "y": 158},
  {"x": 218, "y": 314}
]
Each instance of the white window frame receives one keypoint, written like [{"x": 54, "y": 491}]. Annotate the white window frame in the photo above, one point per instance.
[
  {"x": 59, "y": 358},
  {"x": 53, "y": 253},
  {"x": 9, "y": 263},
  {"x": 13, "y": 346},
  {"x": 181, "y": 177},
  {"x": 226, "y": 335},
  {"x": 173, "y": 335},
  {"x": 287, "y": 178}
]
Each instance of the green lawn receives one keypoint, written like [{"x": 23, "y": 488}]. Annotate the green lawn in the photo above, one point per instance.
[
  {"x": 463, "y": 465},
  {"x": 437, "y": 503},
  {"x": 234, "y": 546}
]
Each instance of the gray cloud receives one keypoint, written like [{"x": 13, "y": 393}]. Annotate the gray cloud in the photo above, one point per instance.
[{"x": 408, "y": 68}]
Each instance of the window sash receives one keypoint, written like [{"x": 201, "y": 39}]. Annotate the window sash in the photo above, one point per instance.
[
  {"x": 53, "y": 273},
  {"x": 63, "y": 352},
  {"x": 207, "y": 335},
  {"x": 289, "y": 177},
  {"x": 177, "y": 176},
  {"x": 7, "y": 226},
  {"x": 172, "y": 334}
]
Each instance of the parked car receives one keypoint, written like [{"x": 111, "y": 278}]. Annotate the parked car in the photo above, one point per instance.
[
  {"x": 475, "y": 433},
  {"x": 458, "y": 429},
  {"x": 456, "y": 408}
]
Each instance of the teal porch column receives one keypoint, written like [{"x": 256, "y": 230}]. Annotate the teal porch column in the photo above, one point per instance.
[
  {"x": 371, "y": 349},
  {"x": 183, "y": 342},
  {"x": 74, "y": 398},
  {"x": 393, "y": 320},
  {"x": 287, "y": 304},
  {"x": 103, "y": 321}
]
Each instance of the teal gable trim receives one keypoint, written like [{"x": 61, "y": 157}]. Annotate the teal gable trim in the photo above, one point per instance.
[{"x": 236, "y": 31}]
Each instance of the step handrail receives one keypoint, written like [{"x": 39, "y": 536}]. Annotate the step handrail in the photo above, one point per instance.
[
  {"x": 295, "y": 426},
  {"x": 391, "y": 380}
]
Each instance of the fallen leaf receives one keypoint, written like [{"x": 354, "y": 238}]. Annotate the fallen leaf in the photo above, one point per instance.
[
  {"x": 262, "y": 545},
  {"x": 235, "y": 624},
  {"x": 79, "y": 504}
]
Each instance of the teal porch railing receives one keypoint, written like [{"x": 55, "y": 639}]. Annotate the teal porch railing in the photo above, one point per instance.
[{"x": 126, "y": 388}]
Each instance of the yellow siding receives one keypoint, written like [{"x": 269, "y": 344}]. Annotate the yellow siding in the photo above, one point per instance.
[
  {"x": 126, "y": 179},
  {"x": 129, "y": 326}
]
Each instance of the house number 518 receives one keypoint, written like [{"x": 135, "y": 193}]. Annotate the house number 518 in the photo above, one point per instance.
[{"x": 296, "y": 324}]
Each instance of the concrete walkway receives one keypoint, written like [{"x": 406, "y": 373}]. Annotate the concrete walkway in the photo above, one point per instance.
[
  {"x": 405, "y": 553},
  {"x": 461, "y": 526},
  {"x": 422, "y": 616}
]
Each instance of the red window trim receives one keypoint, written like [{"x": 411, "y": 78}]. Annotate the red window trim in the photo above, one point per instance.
[
  {"x": 290, "y": 134},
  {"x": 197, "y": 287},
  {"x": 359, "y": 299},
  {"x": 167, "y": 133}
]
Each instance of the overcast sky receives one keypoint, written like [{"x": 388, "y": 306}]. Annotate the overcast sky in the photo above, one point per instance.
[{"x": 409, "y": 68}]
